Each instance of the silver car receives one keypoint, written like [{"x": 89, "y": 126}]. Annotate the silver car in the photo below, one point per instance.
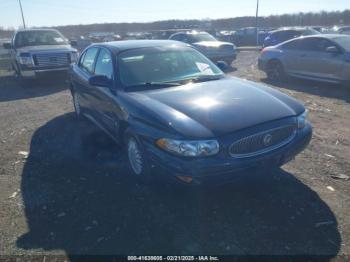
[
  {"x": 39, "y": 51},
  {"x": 208, "y": 45},
  {"x": 319, "y": 57}
]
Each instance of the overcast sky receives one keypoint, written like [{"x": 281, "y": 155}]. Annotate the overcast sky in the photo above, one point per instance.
[{"x": 64, "y": 12}]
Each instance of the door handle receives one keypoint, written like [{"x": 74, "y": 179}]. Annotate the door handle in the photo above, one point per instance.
[{"x": 303, "y": 55}]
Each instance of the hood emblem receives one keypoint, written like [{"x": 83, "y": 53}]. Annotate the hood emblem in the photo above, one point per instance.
[{"x": 267, "y": 140}]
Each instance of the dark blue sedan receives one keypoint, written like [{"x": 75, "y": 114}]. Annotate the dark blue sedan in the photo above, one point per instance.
[{"x": 176, "y": 112}]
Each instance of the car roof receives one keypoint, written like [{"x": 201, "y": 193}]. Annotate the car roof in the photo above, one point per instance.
[
  {"x": 120, "y": 46},
  {"x": 190, "y": 33},
  {"x": 290, "y": 29},
  {"x": 324, "y": 36}
]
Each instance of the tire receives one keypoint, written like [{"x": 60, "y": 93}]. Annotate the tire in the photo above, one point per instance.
[
  {"x": 275, "y": 71},
  {"x": 21, "y": 80},
  {"x": 76, "y": 104},
  {"x": 137, "y": 159}
]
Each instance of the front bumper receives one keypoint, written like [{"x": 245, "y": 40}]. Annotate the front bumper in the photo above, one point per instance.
[
  {"x": 229, "y": 58},
  {"x": 34, "y": 72},
  {"x": 228, "y": 168}
]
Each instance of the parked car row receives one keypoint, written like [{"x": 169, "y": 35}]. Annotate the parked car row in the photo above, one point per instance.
[{"x": 37, "y": 51}]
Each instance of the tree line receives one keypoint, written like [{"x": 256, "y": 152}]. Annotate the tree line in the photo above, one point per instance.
[{"x": 273, "y": 21}]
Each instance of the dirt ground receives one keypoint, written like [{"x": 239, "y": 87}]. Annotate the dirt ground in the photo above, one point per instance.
[{"x": 74, "y": 196}]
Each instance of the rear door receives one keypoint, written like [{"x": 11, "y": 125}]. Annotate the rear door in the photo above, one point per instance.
[{"x": 291, "y": 53}]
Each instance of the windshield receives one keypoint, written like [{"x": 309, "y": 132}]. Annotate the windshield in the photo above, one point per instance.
[
  {"x": 193, "y": 38},
  {"x": 310, "y": 31},
  {"x": 173, "y": 65},
  {"x": 39, "y": 37},
  {"x": 344, "y": 42}
]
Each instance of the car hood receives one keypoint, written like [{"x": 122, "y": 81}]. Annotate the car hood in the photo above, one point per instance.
[
  {"x": 216, "y": 108},
  {"x": 46, "y": 48},
  {"x": 212, "y": 44}
]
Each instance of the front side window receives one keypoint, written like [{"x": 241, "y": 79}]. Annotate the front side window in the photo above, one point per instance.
[
  {"x": 316, "y": 44},
  {"x": 104, "y": 65},
  {"x": 293, "y": 45},
  {"x": 151, "y": 65},
  {"x": 87, "y": 63},
  {"x": 39, "y": 37}
]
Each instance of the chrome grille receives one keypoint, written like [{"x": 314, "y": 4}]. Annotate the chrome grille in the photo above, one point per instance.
[
  {"x": 52, "y": 59},
  {"x": 262, "y": 142}
]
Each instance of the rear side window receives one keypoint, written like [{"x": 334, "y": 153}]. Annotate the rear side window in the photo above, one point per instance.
[
  {"x": 293, "y": 45},
  {"x": 88, "y": 59},
  {"x": 104, "y": 65}
]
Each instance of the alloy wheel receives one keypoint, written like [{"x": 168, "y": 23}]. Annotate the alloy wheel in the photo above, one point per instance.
[{"x": 135, "y": 157}]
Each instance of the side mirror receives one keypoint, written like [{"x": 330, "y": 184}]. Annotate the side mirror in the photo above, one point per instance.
[
  {"x": 100, "y": 80},
  {"x": 332, "y": 50},
  {"x": 73, "y": 43},
  {"x": 223, "y": 66},
  {"x": 7, "y": 45}
]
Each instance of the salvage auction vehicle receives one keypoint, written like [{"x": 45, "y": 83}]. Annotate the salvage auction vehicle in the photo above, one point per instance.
[
  {"x": 38, "y": 51},
  {"x": 208, "y": 45},
  {"x": 176, "y": 111},
  {"x": 323, "y": 58}
]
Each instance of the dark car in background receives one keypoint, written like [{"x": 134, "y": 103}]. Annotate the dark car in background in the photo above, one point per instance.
[
  {"x": 321, "y": 57},
  {"x": 247, "y": 36},
  {"x": 284, "y": 34},
  {"x": 39, "y": 51},
  {"x": 208, "y": 45},
  {"x": 178, "y": 114}
]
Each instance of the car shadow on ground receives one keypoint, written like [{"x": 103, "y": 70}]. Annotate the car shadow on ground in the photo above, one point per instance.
[
  {"x": 11, "y": 89},
  {"x": 329, "y": 90},
  {"x": 79, "y": 197}
]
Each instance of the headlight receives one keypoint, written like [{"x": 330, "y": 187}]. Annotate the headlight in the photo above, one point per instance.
[
  {"x": 74, "y": 57},
  {"x": 302, "y": 120},
  {"x": 25, "y": 59},
  {"x": 189, "y": 148}
]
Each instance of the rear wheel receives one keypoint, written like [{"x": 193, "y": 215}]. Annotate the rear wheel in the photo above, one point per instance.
[{"x": 275, "y": 71}]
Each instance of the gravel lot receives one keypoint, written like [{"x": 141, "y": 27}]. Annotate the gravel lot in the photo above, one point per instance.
[{"x": 74, "y": 196}]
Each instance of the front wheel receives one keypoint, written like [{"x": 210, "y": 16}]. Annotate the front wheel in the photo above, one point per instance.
[{"x": 137, "y": 159}]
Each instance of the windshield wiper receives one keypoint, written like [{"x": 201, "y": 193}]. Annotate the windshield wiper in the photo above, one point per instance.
[
  {"x": 155, "y": 85},
  {"x": 205, "y": 78}
]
